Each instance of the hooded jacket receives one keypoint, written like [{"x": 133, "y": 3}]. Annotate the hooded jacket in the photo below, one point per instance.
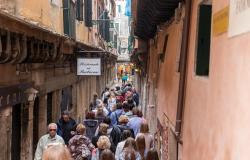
[{"x": 91, "y": 126}]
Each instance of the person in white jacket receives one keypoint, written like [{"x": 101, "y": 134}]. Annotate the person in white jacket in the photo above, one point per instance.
[{"x": 47, "y": 141}]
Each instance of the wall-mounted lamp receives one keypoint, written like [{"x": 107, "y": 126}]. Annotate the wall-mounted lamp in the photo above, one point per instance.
[{"x": 31, "y": 94}]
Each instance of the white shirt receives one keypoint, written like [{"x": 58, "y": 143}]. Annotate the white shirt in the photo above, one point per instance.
[{"x": 119, "y": 149}]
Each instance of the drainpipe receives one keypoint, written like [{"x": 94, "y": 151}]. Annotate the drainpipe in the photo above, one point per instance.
[{"x": 183, "y": 72}]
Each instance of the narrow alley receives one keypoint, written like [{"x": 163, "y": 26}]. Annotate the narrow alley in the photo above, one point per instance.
[{"x": 124, "y": 79}]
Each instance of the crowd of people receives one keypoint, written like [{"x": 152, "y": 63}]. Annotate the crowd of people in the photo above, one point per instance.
[{"x": 113, "y": 129}]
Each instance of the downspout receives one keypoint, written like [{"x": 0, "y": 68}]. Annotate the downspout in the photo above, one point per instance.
[{"x": 183, "y": 72}]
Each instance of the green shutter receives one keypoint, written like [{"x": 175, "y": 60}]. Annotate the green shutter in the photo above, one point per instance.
[
  {"x": 79, "y": 10},
  {"x": 88, "y": 12}
]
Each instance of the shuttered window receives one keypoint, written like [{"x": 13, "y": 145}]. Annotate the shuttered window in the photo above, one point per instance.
[
  {"x": 79, "y": 10},
  {"x": 88, "y": 13},
  {"x": 69, "y": 16},
  {"x": 203, "y": 40}
]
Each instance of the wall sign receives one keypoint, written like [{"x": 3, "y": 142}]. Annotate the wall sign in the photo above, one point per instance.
[
  {"x": 88, "y": 66},
  {"x": 239, "y": 17},
  {"x": 55, "y": 3},
  {"x": 220, "y": 21}
]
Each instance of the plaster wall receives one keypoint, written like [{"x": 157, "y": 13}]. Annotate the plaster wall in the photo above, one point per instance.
[
  {"x": 166, "y": 73},
  {"x": 217, "y": 113},
  {"x": 6, "y": 131},
  {"x": 42, "y": 12}
]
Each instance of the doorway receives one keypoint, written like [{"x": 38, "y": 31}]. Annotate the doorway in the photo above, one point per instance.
[
  {"x": 49, "y": 107},
  {"x": 16, "y": 132},
  {"x": 35, "y": 124}
]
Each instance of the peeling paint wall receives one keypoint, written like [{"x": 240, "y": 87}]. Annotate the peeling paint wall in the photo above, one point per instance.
[
  {"x": 163, "y": 76},
  {"x": 43, "y": 13},
  {"x": 8, "y": 6},
  {"x": 5, "y": 131}
]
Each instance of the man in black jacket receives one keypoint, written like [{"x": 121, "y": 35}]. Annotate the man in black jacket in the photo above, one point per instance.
[{"x": 65, "y": 125}]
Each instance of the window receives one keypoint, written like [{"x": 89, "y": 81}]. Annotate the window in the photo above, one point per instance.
[
  {"x": 203, "y": 40},
  {"x": 88, "y": 13},
  {"x": 79, "y": 10},
  {"x": 162, "y": 55},
  {"x": 117, "y": 27},
  {"x": 69, "y": 18},
  {"x": 119, "y": 8}
]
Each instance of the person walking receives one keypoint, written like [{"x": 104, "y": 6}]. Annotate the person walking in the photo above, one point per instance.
[
  {"x": 125, "y": 135},
  {"x": 95, "y": 102},
  {"x": 80, "y": 146},
  {"x": 152, "y": 155},
  {"x": 102, "y": 131},
  {"x": 58, "y": 152},
  {"x": 65, "y": 125},
  {"x": 47, "y": 141},
  {"x": 141, "y": 146},
  {"x": 91, "y": 124},
  {"x": 135, "y": 121},
  {"x": 107, "y": 155},
  {"x": 116, "y": 113},
  {"x": 149, "y": 139},
  {"x": 123, "y": 120},
  {"x": 129, "y": 151},
  {"x": 102, "y": 144}
]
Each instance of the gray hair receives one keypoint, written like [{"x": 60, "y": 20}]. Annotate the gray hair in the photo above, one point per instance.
[{"x": 52, "y": 124}]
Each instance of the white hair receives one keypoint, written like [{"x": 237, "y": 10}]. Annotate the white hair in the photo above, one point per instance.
[{"x": 52, "y": 124}]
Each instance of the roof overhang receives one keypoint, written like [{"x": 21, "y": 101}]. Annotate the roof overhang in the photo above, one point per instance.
[{"x": 151, "y": 13}]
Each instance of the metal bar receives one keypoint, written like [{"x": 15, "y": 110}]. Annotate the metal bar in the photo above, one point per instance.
[
  {"x": 183, "y": 70},
  {"x": 92, "y": 51}
]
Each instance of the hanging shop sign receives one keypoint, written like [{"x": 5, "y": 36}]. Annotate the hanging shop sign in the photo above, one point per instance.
[
  {"x": 88, "y": 66},
  {"x": 239, "y": 16}
]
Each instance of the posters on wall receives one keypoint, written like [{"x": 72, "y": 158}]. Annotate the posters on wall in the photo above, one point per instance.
[{"x": 239, "y": 16}]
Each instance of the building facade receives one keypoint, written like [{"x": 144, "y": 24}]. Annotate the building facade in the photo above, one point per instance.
[
  {"x": 122, "y": 27},
  {"x": 193, "y": 61},
  {"x": 40, "y": 42}
]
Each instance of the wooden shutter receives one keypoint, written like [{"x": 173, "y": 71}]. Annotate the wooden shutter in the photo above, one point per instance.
[
  {"x": 79, "y": 10},
  {"x": 69, "y": 17},
  {"x": 66, "y": 16},
  {"x": 88, "y": 13}
]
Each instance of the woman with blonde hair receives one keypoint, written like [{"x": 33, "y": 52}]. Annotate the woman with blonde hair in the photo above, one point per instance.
[
  {"x": 80, "y": 146},
  {"x": 149, "y": 139},
  {"x": 102, "y": 131},
  {"x": 102, "y": 144},
  {"x": 56, "y": 152}
]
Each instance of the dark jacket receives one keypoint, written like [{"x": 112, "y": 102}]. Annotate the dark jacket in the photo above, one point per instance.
[
  {"x": 64, "y": 129},
  {"x": 123, "y": 128},
  {"x": 115, "y": 134},
  {"x": 91, "y": 126}
]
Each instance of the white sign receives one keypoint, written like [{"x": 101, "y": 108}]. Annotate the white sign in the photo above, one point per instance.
[
  {"x": 55, "y": 3},
  {"x": 239, "y": 17},
  {"x": 88, "y": 66}
]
